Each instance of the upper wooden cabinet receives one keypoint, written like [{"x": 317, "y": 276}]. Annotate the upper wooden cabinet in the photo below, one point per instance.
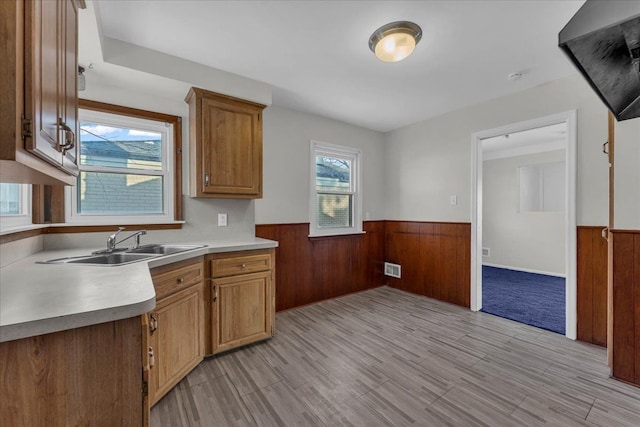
[
  {"x": 39, "y": 112},
  {"x": 225, "y": 136}
]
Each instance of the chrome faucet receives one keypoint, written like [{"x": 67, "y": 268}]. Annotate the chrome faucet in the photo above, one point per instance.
[{"x": 112, "y": 243}]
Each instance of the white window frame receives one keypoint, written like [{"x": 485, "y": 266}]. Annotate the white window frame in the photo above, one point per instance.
[
  {"x": 23, "y": 218},
  {"x": 72, "y": 216},
  {"x": 318, "y": 148}
]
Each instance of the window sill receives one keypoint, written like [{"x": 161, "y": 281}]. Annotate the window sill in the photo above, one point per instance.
[
  {"x": 21, "y": 228},
  {"x": 70, "y": 227},
  {"x": 336, "y": 235}
]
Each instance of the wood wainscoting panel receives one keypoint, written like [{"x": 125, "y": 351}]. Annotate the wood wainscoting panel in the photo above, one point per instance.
[
  {"x": 626, "y": 306},
  {"x": 314, "y": 269},
  {"x": 435, "y": 258},
  {"x": 592, "y": 285}
]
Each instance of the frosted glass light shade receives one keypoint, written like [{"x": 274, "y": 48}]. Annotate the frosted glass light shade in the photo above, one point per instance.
[{"x": 395, "y": 41}]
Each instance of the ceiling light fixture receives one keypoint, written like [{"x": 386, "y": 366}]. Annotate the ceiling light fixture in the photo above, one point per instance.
[{"x": 395, "y": 41}]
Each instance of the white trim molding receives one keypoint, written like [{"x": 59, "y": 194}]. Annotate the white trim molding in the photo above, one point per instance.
[
  {"x": 525, "y": 270},
  {"x": 354, "y": 156},
  {"x": 570, "y": 118}
]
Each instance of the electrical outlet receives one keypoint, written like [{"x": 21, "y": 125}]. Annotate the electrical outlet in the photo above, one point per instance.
[
  {"x": 453, "y": 200},
  {"x": 222, "y": 220}
]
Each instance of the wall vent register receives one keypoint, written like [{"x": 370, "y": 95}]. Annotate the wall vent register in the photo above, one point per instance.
[{"x": 393, "y": 270}]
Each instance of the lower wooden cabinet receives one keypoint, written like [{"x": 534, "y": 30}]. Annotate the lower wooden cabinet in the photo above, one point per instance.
[
  {"x": 241, "y": 310},
  {"x": 176, "y": 327},
  {"x": 89, "y": 376},
  {"x": 176, "y": 342},
  {"x": 242, "y": 299},
  {"x": 237, "y": 307}
]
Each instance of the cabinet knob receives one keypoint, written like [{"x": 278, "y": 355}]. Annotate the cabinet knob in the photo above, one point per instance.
[
  {"x": 181, "y": 280},
  {"x": 243, "y": 266}
]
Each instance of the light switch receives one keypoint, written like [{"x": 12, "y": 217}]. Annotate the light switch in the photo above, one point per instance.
[
  {"x": 453, "y": 200},
  {"x": 222, "y": 220}
]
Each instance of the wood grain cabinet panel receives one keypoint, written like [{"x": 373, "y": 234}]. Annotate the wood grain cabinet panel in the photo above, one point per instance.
[
  {"x": 242, "y": 302},
  {"x": 225, "y": 135},
  {"x": 88, "y": 376},
  {"x": 51, "y": 70},
  {"x": 38, "y": 97},
  {"x": 174, "y": 277},
  {"x": 176, "y": 328},
  {"x": 229, "y": 266},
  {"x": 243, "y": 309},
  {"x": 177, "y": 341}
]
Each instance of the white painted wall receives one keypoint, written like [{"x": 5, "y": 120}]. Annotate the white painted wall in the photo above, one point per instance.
[
  {"x": 286, "y": 137},
  {"x": 520, "y": 240},
  {"x": 431, "y": 160},
  {"x": 627, "y": 175}
]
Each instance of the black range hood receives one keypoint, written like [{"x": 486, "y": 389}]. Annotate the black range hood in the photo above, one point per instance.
[{"x": 603, "y": 41}]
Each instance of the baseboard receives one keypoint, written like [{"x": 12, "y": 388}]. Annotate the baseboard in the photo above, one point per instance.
[{"x": 526, "y": 270}]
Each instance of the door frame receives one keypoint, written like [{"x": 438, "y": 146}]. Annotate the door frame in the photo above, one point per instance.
[{"x": 570, "y": 118}]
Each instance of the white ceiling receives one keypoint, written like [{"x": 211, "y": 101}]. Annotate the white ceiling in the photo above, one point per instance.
[
  {"x": 315, "y": 53},
  {"x": 538, "y": 140}
]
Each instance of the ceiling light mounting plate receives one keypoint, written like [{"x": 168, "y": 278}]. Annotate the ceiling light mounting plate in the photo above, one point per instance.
[
  {"x": 395, "y": 41},
  {"x": 514, "y": 76}
]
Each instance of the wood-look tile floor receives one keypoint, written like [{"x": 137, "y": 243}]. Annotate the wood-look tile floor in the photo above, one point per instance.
[{"x": 389, "y": 358}]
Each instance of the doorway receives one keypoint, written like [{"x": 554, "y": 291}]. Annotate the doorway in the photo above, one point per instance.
[{"x": 566, "y": 120}]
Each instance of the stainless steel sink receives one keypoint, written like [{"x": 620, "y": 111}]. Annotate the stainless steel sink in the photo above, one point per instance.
[
  {"x": 162, "y": 249},
  {"x": 122, "y": 257},
  {"x": 109, "y": 259},
  {"x": 118, "y": 258}
]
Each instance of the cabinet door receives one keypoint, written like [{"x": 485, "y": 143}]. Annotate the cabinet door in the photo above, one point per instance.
[
  {"x": 42, "y": 77},
  {"x": 231, "y": 149},
  {"x": 242, "y": 310},
  {"x": 51, "y": 68},
  {"x": 178, "y": 340},
  {"x": 69, "y": 95}
]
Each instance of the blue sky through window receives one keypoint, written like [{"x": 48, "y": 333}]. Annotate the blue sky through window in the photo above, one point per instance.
[{"x": 97, "y": 132}]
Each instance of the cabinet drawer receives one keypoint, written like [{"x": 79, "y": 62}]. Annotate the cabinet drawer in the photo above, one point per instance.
[
  {"x": 172, "y": 278},
  {"x": 230, "y": 266}
]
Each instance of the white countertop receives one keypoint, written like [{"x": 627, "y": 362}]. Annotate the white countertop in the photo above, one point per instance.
[{"x": 37, "y": 299}]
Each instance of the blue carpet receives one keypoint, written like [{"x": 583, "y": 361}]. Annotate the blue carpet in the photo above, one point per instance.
[{"x": 534, "y": 299}]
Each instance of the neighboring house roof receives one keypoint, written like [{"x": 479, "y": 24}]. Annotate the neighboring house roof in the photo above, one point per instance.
[
  {"x": 134, "y": 150},
  {"x": 325, "y": 170}
]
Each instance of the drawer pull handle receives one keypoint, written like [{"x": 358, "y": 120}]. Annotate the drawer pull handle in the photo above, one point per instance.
[
  {"x": 243, "y": 266},
  {"x": 180, "y": 280}
]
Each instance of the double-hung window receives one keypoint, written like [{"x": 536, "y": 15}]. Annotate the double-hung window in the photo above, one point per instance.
[
  {"x": 335, "y": 198},
  {"x": 15, "y": 205},
  {"x": 126, "y": 170}
]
